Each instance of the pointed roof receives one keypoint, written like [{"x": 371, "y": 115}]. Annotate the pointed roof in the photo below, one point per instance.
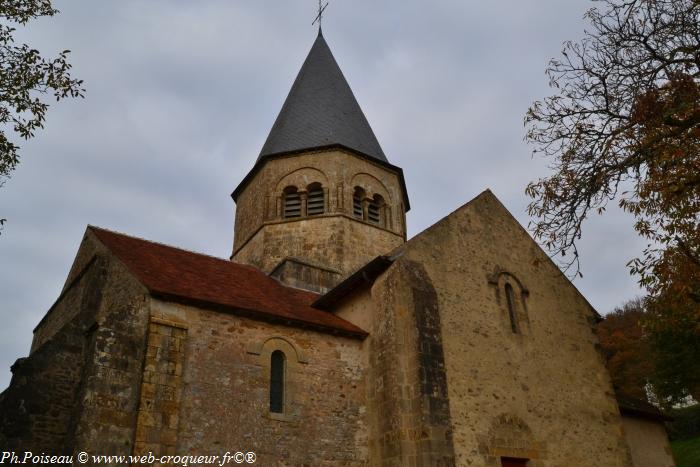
[{"x": 321, "y": 111}]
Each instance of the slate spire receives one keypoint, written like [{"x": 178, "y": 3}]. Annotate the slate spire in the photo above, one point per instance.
[{"x": 321, "y": 111}]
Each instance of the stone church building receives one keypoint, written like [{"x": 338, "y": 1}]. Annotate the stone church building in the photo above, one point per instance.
[{"x": 328, "y": 338}]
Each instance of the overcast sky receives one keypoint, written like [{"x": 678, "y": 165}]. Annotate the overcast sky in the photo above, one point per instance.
[{"x": 181, "y": 95}]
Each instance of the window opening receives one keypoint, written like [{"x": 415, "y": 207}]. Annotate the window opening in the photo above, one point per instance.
[
  {"x": 292, "y": 203},
  {"x": 277, "y": 365}
]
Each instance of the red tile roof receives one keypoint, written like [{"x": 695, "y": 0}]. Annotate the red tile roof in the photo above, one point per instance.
[{"x": 183, "y": 276}]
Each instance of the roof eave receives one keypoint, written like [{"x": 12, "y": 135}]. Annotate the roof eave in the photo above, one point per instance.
[
  {"x": 660, "y": 417},
  {"x": 367, "y": 274},
  {"x": 639, "y": 408},
  {"x": 258, "y": 315}
]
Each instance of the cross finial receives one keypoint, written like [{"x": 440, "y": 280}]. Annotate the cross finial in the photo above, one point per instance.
[{"x": 319, "y": 17}]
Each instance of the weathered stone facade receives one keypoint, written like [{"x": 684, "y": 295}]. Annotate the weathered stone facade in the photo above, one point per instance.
[
  {"x": 131, "y": 374},
  {"x": 443, "y": 378},
  {"x": 518, "y": 382},
  {"x": 225, "y": 382},
  {"x": 464, "y": 346},
  {"x": 542, "y": 393},
  {"x": 80, "y": 382},
  {"x": 335, "y": 239}
]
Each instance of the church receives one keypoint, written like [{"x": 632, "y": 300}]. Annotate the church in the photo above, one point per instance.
[{"x": 328, "y": 337}]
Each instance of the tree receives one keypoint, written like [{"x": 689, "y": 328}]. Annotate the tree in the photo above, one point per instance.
[
  {"x": 674, "y": 339},
  {"x": 624, "y": 124},
  {"x": 672, "y": 326},
  {"x": 26, "y": 78},
  {"x": 626, "y": 349},
  {"x": 653, "y": 345}
]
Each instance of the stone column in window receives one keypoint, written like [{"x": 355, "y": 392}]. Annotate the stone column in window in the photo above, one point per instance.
[
  {"x": 326, "y": 200},
  {"x": 365, "y": 206},
  {"x": 304, "y": 196},
  {"x": 267, "y": 208},
  {"x": 340, "y": 199}
]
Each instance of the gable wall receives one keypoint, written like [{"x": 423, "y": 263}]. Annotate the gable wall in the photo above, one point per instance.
[
  {"x": 80, "y": 383},
  {"x": 543, "y": 394},
  {"x": 114, "y": 329},
  {"x": 39, "y": 408},
  {"x": 75, "y": 291}
]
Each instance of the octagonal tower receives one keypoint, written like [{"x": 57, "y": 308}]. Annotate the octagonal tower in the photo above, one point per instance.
[{"x": 322, "y": 199}]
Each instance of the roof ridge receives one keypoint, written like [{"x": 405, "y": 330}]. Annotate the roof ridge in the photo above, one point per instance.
[
  {"x": 228, "y": 262},
  {"x": 115, "y": 232}
]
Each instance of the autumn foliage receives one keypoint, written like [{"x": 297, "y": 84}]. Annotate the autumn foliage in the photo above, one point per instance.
[
  {"x": 652, "y": 349},
  {"x": 623, "y": 125},
  {"x": 626, "y": 349}
]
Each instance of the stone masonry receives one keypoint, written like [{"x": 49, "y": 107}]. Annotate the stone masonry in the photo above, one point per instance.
[
  {"x": 335, "y": 239},
  {"x": 328, "y": 339}
]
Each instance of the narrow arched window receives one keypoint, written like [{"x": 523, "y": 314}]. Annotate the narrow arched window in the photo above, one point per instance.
[
  {"x": 316, "y": 200},
  {"x": 374, "y": 210},
  {"x": 277, "y": 365},
  {"x": 357, "y": 198},
  {"x": 510, "y": 298},
  {"x": 291, "y": 203}
]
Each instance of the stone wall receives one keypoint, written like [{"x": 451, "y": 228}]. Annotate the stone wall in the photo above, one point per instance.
[
  {"x": 79, "y": 388},
  {"x": 408, "y": 395},
  {"x": 336, "y": 238},
  {"x": 541, "y": 393},
  {"x": 648, "y": 442},
  {"x": 109, "y": 393},
  {"x": 161, "y": 389},
  {"x": 116, "y": 372},
  {"x": 305, "y": 275},
  {"x": 335, "y": 242},
  {"x": 80, "y": 294},
  {"x": 38, "y": 407},
  {"x": 225, "y": 390}
]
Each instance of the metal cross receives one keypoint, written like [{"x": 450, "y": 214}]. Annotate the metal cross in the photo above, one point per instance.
[{"x": 319, "y": 17}]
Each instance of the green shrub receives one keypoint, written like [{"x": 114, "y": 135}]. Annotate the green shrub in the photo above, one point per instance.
[
  {"x": 686, "y": 452},
  {"x": 685, "y": 424}
]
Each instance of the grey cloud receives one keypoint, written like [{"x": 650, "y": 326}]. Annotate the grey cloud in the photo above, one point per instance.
[{"x": 181, "y": 96}]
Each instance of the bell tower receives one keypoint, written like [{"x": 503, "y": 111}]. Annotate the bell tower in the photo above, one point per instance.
[{"x": 322, "y": 199}]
